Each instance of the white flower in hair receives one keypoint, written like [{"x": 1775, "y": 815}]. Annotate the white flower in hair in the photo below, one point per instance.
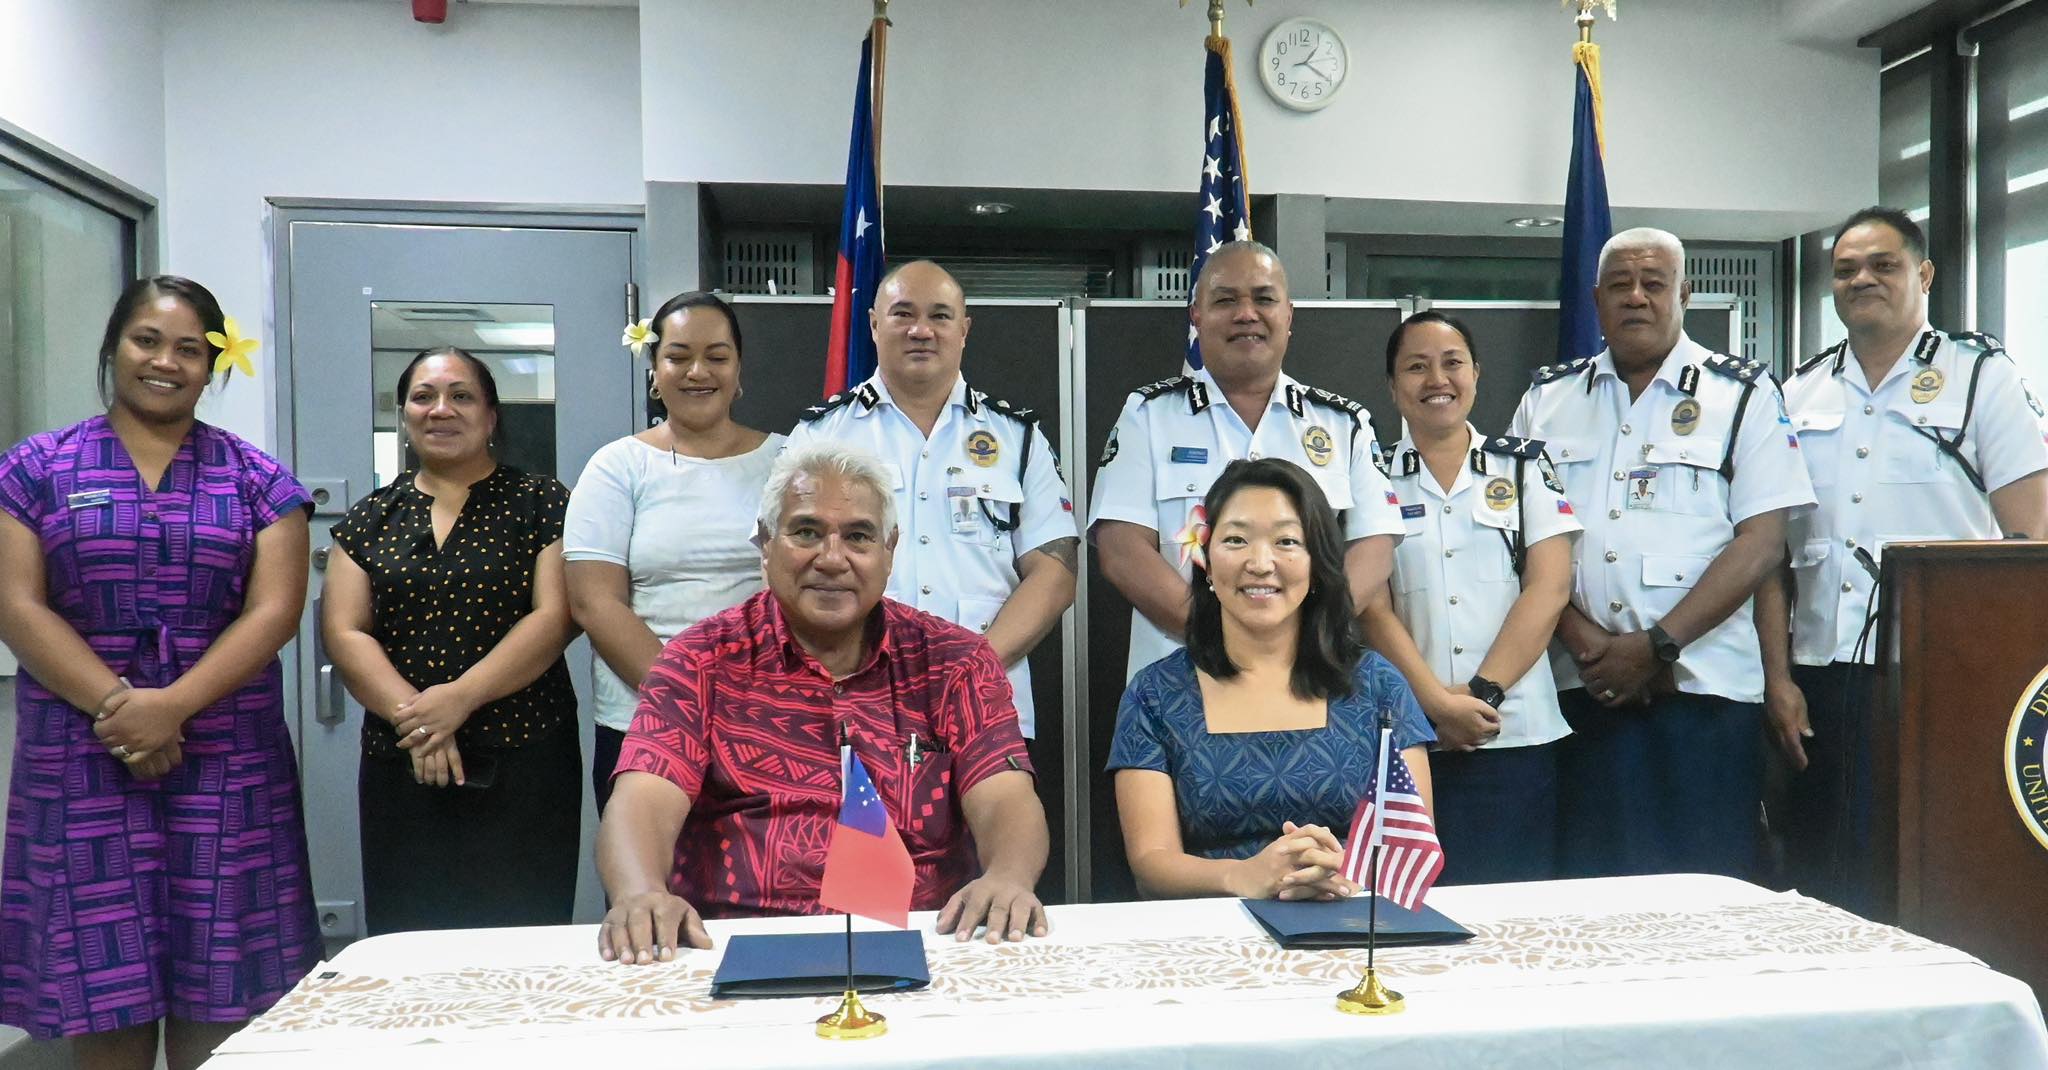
[{"x": 638, "y": 336}]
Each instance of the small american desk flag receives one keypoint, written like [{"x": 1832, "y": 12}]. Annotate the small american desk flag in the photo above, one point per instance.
[{"x": 1412, "y": 856}]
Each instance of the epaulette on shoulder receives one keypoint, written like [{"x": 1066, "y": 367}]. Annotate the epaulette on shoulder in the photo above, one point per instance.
[
  {"x": 1832, "y": 352},
  {"x": 829, "y": 405},
  {"x": 1528, "y": 449},
  {"x": 1740, "y": 369},
  {"x": 1163, "y": 386},
  {"x": 1015, "y": 412},
  {"x": 1979, "y": 339},
  {"x": 1335, "y": 400},
  {"x": 1552, "y": 372}
]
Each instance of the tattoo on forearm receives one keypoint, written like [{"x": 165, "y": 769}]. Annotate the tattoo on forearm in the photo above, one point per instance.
[{"x": 1065, "y": 551}]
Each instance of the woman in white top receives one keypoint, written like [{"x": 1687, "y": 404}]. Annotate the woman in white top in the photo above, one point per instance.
[
  {"x": 659, "y": 526},
  {"x": 1483, "y": 570}
]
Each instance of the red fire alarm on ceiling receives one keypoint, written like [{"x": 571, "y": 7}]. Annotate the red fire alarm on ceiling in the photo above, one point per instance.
[{"x": 430, "y": 10}]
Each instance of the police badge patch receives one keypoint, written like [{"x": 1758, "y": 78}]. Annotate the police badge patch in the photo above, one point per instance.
[{"x": 1108, "y": 450}]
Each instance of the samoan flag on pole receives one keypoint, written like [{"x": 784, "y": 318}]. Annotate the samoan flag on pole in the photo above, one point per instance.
[
  {"x": 1587, "y": 222},
  {"x": 867, "y": 868},
  {"x": 850, "y": 355},
  {"x": 1226, "y": 205}
]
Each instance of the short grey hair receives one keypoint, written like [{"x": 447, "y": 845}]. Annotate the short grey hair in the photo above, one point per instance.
[
  {"x": 1631, "y": 240},
  {"x": 1240, "y": 245},
  {"x": 824, "y": 457}
]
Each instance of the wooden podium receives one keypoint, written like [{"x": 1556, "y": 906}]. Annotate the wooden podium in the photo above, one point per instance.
[{"x": 1957, "y": 853}]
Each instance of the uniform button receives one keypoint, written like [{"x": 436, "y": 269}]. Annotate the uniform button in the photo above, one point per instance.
[
  {"x": 1868, "y": 409},
  {"x": 1863, "y": 451},
  {"x": 1850, "y": 543},
  {"x": 1191, "y": 488},
  {"x": 1618, "y": 477},
  {"x": 1454, "y": 600},
  {"x": 1625, "y": 429},
  {"x": 1253, "y": 455},
  {"x": 1614, "y": 514},
  {"x": 1448, "y": 553},
  {"x": 1612, "y": 557},
  {"x": 1614, "y": 607},
  {"x": 1847, "y": 587},
  {"x": 1681, "y": 455},
  {"x": 1856, "y": 498},
  {"x": 925, "y": 453},
  {"x": 1447, "y": 508},
  {"x": 922, "y": 495},
  {"x": 926, "y": 589},
  {"x": 922, "y": 539},
  {"x": 1920, "y": 419},
  {"x": 1457, "y": 650}
]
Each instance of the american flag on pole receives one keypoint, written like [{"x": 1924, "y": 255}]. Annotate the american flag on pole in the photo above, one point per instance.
[
  {"x": 850, "y": 354},
  {"x": 1397, "y": 821},
  {"x": 1226, "y": 203}
]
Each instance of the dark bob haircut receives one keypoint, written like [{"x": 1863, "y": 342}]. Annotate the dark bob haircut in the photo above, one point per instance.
[
  {"x": 696, "y": 299},
  {"x": 1428, "y": 316},
  {"x": 486, "y": 382},
  {"x": 142, "y": 291},
  {"x": 1329, "y": 648},
  {"x": 1915, "y": 238}
]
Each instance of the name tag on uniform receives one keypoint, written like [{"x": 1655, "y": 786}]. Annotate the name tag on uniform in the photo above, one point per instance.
[
  {"x": 1642, "y": 488},
  {"x": 1190, "y": 455},
  {"x": 89, "y": 499},
  {"x": 1412, "y": 512},
  {"x": 961, "y": 503}
]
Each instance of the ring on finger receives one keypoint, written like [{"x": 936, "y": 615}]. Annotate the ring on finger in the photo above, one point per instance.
[{"x": 119, "y": 750}]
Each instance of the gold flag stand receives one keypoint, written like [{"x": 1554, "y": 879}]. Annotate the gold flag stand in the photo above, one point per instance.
[
  {"x": 852, "y": 1021},
  {"x": 1369, "y": 997}
]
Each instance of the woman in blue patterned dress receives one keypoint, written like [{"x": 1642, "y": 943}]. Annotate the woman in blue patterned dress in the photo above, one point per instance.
[
  {"x": 1240, "y": 759},
  {"x": 151, "y": 567}
]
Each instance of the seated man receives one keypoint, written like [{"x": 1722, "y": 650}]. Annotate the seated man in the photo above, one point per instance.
[{"x": 728, "y": 784}]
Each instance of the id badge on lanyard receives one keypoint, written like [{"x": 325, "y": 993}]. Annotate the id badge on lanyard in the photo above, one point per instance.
[
  {"x": 1642, "y": 488},
  {"x": 961, "y": 504}
]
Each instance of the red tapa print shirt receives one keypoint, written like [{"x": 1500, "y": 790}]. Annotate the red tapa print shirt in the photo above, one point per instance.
[{"x": 746, "y": 722}]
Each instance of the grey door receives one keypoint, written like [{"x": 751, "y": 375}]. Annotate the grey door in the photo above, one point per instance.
[{"x": 544, "y": 308}]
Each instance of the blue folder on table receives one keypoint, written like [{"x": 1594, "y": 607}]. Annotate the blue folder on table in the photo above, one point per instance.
[
  {"x": 1306, "y": 924},
  {"x": 814, "y": 964}
]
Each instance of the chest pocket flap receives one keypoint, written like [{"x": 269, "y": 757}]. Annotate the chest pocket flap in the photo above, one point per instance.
[
  {"x": 1943, "y": 413},
  {"x": 1830, "y": 420},
  {"x": 998, "y": 487},
  {"x": 1698, "y": 451},
  {"x": 1572, "y": 450},
  {"x": 1335, "y": 480},
  {"x": 1183, "y": 480},
  {"x": 895, "y": 475},
  {"x": 1673, "y": 570}
]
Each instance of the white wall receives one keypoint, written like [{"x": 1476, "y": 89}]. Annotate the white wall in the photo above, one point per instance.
[
  {"x": 353, "y": 99},
  {"x": 88, "y": 77},
  {"x": 1466, "y": 100}
]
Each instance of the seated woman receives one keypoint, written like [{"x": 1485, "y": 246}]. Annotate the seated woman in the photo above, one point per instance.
[{"x": 1240, "y": 759}]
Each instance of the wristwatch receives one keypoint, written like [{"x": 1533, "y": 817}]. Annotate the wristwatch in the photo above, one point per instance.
[
  {"x": 1487, "y": 691},
  {"x": 1661, "y": 642}
]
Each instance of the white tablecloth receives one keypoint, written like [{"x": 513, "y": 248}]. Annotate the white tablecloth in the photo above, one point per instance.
[{"x": 1638, "y": 972}]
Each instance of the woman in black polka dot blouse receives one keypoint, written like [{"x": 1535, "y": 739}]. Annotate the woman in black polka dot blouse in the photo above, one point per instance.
[{"x": 446, "y": 613}]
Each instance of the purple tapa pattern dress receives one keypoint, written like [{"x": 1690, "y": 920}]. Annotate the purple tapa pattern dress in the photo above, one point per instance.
[{"x": 125, "y": 902}]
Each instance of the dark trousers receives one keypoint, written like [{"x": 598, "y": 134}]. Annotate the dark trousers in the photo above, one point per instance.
[
  {"x": 1496, "y": 813},
  {"x": 604, "y": 757},
  {"x": 1825, "y": 821},
  {"x": 473, "y": 857},
  {"x": 1676, "y": 787}
]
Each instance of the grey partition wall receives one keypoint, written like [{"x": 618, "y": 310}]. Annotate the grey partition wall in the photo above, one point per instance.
[
  {"x": 1123, "y": 345},
  {"x": 1017, "y": 351}
]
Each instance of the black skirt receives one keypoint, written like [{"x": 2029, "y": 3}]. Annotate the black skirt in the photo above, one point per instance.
[{"x": 473, "y": 856}]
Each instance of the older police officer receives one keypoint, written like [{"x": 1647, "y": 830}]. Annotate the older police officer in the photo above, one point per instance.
[
  {"x": 1682, "y": 470},
  {"x": 1175, "y": 436},
  {"x": 988, "y": 527},
  {"x": 1911, "y": 434}
]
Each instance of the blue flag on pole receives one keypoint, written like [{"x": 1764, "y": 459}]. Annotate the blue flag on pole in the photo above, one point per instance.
[
  {"x": 1587, "y": 223},
  {"x": 850, "y": 352},
  {"x": 1226, "y": 203}
]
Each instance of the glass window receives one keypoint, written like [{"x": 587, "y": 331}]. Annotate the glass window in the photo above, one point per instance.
[
  {"x": 2012, "y": 189},
  {"x": 63, "y": 262}
]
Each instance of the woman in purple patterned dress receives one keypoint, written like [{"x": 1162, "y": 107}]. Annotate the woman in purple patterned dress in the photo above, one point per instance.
[{"x": 151, "y": 567}]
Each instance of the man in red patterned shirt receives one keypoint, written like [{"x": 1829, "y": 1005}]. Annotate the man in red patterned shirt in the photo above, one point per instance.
[{"x": 728, "y": 784}]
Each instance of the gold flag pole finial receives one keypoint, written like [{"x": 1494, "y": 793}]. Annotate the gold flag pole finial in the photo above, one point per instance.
[
  {"x": 1585, "y": 16},
  {"x": 882, "y": 9},
  {"x": 1216, "y": 15}
]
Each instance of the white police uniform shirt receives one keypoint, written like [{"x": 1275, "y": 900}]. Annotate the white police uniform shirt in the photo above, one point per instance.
[
  {"x": 964, "y": 512},
  {"x": 1454, "y": 572},
  {"x": 1881, "y": 478},
  {"x": 1174, "y": 438},
  {"x": 1648, "y": 481}
]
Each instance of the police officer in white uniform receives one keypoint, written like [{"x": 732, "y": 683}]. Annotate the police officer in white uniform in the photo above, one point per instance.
[
  {"x": 988, "y": 534},
  {"x": 1482, "y": 572},
  {"x": 1682, "y": 468},
  {"x": 1174, "y": 438},
  {"x": 1911, "y": 435}
]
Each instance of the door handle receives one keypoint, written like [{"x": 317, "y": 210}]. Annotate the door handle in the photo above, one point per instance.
[{"x": 330, "y": 703}]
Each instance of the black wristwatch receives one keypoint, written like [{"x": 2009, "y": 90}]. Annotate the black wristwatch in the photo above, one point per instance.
[
  {"x": 1487, "y": 691},
  {"x": 1666, "y": 648}
]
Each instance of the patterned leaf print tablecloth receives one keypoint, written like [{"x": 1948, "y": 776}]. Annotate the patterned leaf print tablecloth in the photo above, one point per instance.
[{"x": 333, "y": 1008}]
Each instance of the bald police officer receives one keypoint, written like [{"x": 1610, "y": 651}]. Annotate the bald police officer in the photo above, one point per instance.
[
  {"x": 1912, "y": 434},
  {"x": 1679, "y": 466},
  {"x": 988, "y": 534},
  {"x": 1174, "y": 438}
]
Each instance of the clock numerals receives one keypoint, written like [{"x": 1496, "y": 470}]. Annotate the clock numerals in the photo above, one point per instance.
[{"x": 1305, "y": 65}]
